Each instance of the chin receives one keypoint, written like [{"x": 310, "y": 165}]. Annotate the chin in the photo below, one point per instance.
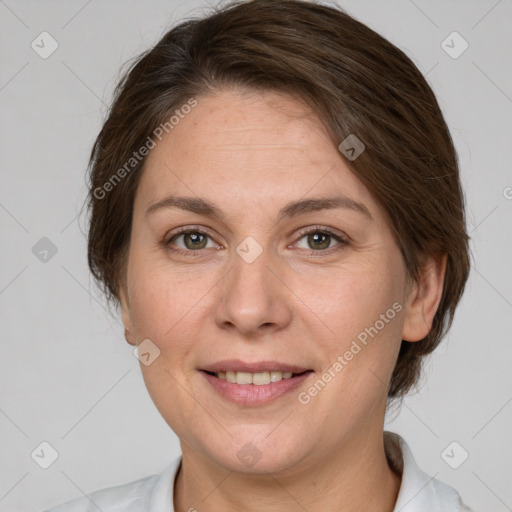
[{"x": 245, "y": 454}]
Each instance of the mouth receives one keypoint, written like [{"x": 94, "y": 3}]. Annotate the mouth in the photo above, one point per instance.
[
  {"x": 257, "y": 378},
  {"x": 254, "y": 384}
]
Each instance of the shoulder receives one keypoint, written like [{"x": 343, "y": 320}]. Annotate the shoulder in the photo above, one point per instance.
[
  {"x": 136, "y": 496},
  {"x": 418, "y": 491}
]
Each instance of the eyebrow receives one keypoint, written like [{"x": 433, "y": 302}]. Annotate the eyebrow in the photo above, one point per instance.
[{"x": 202, "y": 206}]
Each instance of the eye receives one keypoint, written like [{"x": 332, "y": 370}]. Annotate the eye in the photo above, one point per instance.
[
  {"x": 191, "y": 240},
  {"x": 320, "y": 239}
]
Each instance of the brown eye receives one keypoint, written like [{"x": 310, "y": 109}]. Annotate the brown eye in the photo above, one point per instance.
[
  {"x": 321, "y": 240},
  {"x": 194, "y": 240},
  {"x": 189, "y": 241}
]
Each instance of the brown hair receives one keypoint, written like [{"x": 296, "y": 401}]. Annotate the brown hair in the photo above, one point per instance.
[{"x": 354, "y": 79}]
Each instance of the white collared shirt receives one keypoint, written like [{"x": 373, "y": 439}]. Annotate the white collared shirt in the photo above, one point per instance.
[{"x": 418, "y": 492}]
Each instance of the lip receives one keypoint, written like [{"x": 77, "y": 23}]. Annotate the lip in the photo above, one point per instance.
[
  {"x": 237, "y": 365},
  {"x": 252, "y": 395}
]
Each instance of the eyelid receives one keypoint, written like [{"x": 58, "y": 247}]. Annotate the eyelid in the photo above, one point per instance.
[
  {"x": 324, "y": 229},
  {"x": 186, "y": 229}
]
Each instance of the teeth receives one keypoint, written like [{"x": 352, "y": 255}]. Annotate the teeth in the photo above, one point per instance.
[
  {"x": 243, "y": 378},
  {"x": 259, "y": 378}
]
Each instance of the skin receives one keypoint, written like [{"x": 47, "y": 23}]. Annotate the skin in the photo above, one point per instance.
[{"x": 251, "y": 153}]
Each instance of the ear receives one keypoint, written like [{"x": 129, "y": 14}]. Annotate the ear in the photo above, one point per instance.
[
  {"x": 127, "y": 320},
  {"x": 423, "y": 299}
]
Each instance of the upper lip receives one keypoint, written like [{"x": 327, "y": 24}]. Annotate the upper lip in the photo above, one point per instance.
[{"x": 237, "y": 365}]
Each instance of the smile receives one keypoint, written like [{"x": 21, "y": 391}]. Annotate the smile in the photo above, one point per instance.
[
  {"x": 258, "y": 378},
  {"x": 254, "y": 388}
]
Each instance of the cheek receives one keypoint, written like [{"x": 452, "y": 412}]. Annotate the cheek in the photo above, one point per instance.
[
  {"x": 158, "y": 293},
  {"x": 167, "y": 302},
  {"x": 162, "y": 310},
  {"x": 151, "y": 305},
  {"x": 353, "y": 298},
  {"x": 363, "y": 309}
]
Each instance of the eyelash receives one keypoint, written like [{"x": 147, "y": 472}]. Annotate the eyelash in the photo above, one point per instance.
[{"x": 342, "y": 242}]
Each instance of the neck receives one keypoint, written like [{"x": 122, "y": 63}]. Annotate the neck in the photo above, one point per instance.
[{"x": 353, "y": 478}]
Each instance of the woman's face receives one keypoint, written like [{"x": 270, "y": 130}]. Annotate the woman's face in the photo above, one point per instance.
[{"x": 262, "y": 286}]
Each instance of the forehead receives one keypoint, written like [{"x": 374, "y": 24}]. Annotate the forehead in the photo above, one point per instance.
[{"x": 240, "y": 147}]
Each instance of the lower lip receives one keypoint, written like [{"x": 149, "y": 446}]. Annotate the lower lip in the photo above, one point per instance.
[{"x": 251, "y": 394}]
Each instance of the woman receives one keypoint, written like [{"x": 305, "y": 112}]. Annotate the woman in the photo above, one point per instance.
[{"x": 276, "y": 208}]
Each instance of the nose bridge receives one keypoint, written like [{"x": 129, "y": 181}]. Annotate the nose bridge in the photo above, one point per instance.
[{"x": 252, "y": 297}]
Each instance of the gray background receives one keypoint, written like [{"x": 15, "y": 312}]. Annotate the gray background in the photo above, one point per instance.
[{"x": 67, "y": 375}]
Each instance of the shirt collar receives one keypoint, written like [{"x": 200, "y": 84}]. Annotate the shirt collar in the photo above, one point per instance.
[
  {"x": 162, "y": 495},
  {"x": 418, "y": 491}
]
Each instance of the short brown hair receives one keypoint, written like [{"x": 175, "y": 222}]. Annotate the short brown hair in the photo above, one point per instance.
[{"x": 355, "y": 80}]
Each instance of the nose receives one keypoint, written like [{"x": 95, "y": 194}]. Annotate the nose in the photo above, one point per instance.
[{"x": 253, "y": 299}]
